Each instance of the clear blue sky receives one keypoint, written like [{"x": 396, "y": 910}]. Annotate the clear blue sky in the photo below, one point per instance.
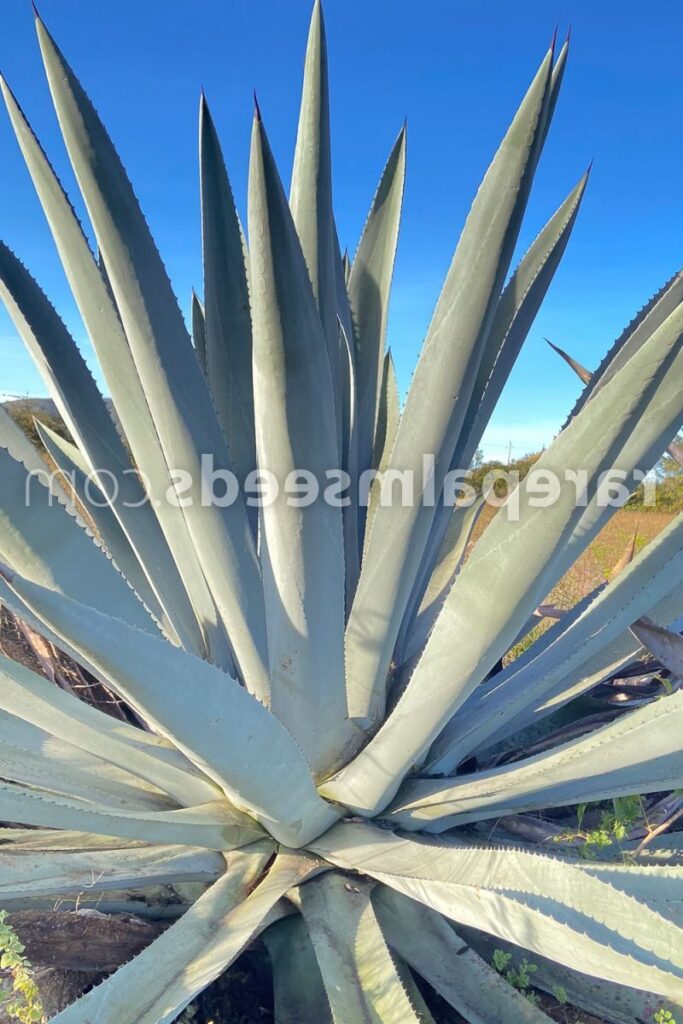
[{"x": 457, "y": 70}]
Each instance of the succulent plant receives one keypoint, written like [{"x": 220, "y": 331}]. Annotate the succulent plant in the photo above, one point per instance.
[{"x": 308, "y": 682}]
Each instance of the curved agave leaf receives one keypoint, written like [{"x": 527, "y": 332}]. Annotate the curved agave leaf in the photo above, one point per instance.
[
  {"x": 30, "y": 873},
  {"x": 429, "y": 944},
  {"x": 24, "y": 451},
  {"x": 32, "y": 758},
  {"x": 555, "y": 86},
  {"x": 75, "y": 472},
  {"x": 657, "y": 423},
  {"x": 302, "y": 548},
  {"x": 35, "y": 700},
  {"x": 388, "y": 415},
  {"x": 347, "y": 380},
  {"x": 638, "y": 753},
  {"x": 519, "y": 303},
  {"x": 546, "y": 904},
  {"x": 44, "y": 840},
  {"x": 658, "y": 886},
  {"x": 512, "y": 699},
  {"x": 349, "y": 446},
  {"x": 437, "y": 403},
  {"x": 415, "y": 996},
  {"x": 226, "y": 301},
  {"x": 298, "y": 990},
  {"x": 622, "y": 652},
  {"x": 473, "y": 632},
  {"x": 31, "y": 744},
  {"x": 157, "y": 985},
  {"x": 87, "y": 417},
  {"x": 234, "y": 739},
  {"x": 614, "y": 1003},
  {"x": 43, "y": 541},
  {"x": 664, "y": 612},
  {"x": 360, "y": 977},
  {"x": 368, "y": 289},
  {"x": 463, "y": 520},
  {"x": 90, "y": 286},
  {"x": 516, "y": 311},
  {"x": 174, "y": 386},
  {"x": 310, "y": 196},
  {"x": 217, "y": 826}
]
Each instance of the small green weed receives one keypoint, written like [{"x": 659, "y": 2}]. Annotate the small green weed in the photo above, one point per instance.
[
  {"x": 519, "y": 977},
  {"x": 664, "y": 1017},
  {"x": 613, "y": 827},
  {"x": 19, "y": 995},
  {"x": 560, "y": 994}
]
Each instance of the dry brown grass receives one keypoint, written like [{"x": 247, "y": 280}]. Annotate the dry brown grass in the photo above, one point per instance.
[{"x": 597, "y": 561}]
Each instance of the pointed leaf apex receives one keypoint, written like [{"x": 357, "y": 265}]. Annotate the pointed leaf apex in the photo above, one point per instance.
[
  {"x": 583, "y": 180},
  {"x": 569, "y": 34},
  {"x": 581, "y": 372},
  {"x": 36, "y": 12},
  {"x": 257, "y": 109},
  {"x": 553, "y": 41},
  {"x": 401, "y": 140},
  {"x": 627, "y": 556}
]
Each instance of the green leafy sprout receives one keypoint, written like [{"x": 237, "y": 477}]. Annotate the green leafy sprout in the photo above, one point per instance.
[{"x": 520, "y": 977}]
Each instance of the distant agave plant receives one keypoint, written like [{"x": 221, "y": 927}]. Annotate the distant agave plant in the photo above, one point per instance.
[{"x": 312, "y": 679}]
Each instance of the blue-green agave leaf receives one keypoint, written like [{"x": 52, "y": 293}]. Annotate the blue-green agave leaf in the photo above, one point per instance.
[
  {"x": 638, "y": 753},
  {"x": 90, "y": 285},
  {"x": 546, "y": 904},
  {"x": 437, "y": 403},
  {"x": 302, "y": 548},
  {"x": 226, "y": 301},
  {"x": 310, "y": 196},
  {"x": 472, "y": 632},
  {"x": 368, "y": 289},
  {"x": 174, "y": 385},
  {"x": 230, "y": 735}
]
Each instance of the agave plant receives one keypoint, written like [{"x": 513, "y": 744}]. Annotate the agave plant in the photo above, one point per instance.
[{"x": 309, "y": 681}]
